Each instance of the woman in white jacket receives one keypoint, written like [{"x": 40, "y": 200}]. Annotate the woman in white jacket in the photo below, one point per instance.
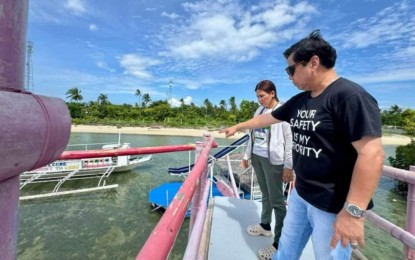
[{"x": 270, "y": 151}]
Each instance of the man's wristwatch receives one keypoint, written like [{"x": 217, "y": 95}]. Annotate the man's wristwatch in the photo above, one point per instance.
[{"x": 354, "y": 210}]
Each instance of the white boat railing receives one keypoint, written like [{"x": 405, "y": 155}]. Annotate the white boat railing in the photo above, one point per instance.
[
  {"x": 70, "y": 147},
  {"x": 32, "y": 179}
]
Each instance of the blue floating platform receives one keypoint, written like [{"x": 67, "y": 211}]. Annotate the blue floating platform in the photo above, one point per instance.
[{"x": 161, "y": 196}]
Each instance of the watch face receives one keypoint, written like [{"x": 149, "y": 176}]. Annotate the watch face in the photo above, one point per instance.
[{"x": 354, "y": 210}]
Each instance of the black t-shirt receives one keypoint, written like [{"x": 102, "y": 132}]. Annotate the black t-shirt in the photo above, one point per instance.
[{"x": 323, "y": 129}]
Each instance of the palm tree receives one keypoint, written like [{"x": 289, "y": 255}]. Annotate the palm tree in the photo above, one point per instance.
[
  {"x": 222, "y": 104},
  {"x": 232, "y": 104},
  {"x": 146, "y": 99},
  {"x": 74, "y": 94},
  {"x": 182, "y": 104},
  {"x": 395, "y": 109},
  {"x": 103, "y": 99},
  {"x": 138, "y": 94},
  {"x": 207, "y": 104}
]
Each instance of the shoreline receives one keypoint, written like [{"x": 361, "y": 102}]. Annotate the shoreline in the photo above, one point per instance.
[
  {"x": 190, "y": 132},
  {"x": 386, "y": 140}
]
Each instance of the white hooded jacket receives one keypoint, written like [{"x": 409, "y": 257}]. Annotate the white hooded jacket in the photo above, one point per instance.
[{"x": 279, "y": 142}]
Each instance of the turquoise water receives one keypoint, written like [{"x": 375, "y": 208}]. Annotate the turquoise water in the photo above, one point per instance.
[
  {"x": 101, "y": 225},
  {"x": 115, "y": 224}
]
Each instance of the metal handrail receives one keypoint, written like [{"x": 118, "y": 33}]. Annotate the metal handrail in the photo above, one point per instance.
[
  {"x": 162, "y": 238},
  {"x": 407, "y": 237}
]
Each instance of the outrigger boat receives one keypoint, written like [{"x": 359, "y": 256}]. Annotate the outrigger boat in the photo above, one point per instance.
[{"x": 64, "y": 170}]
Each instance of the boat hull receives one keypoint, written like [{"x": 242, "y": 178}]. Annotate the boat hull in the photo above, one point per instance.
[{"x": 80, "y": 169}]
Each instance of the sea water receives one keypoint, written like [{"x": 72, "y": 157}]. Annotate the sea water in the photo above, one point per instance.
[{"x": 115, "y": 224}]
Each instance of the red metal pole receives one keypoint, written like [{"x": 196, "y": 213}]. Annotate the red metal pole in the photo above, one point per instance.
[
  {"x": 11, "y": 78},
  {"x": 161, "y": 239},
  {"x": 68, "y": 155},
  {"x": 34, "y": 129},
  {"x": 129, "y": 151}
]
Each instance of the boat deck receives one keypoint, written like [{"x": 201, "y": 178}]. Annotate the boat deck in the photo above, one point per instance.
[{"x": 228, "y": 237}]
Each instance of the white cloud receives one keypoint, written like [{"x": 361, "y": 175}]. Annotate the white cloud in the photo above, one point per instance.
[
  {"x": 394, "y": 23},
  {"x": 103, "y": 65},
  {"x": 188, "y": 100},
  {"x": 172, "y": 16},
  {"x": 75, "y": 6},
  {"x": 386, "y": 76},
  {"x": 203, "y": 82},
  {"x": 93, "y": 27},
  {"x": 190, "y": 84},
  {"x": 44, "y": 12},
  {"x": 224, "y": 30},
  {"x": 176, "y": 102},
  {"x": 137, "y": 66}
]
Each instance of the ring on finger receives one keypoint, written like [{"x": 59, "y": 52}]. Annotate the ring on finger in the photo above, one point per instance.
[{"x": 354, "y": 245}]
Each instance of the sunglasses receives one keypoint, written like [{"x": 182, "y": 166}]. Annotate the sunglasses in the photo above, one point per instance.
[{"x": 291, "y": 69}]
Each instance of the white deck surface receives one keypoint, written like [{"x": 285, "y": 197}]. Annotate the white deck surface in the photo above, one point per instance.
[{"x": 229, "y": 239}]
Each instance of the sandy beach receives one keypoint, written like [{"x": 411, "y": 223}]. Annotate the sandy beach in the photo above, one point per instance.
[
  {"x": 396, "y": 140},
  {"x": 386, "y": 140},
  {"x": 150, "y": 131}
]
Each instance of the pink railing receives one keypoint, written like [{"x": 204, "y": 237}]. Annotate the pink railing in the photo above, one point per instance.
[
  {"x": 162, "y": 238},
  {"x": 70, "y": 155},
  {"x": 407, "y": 235}
]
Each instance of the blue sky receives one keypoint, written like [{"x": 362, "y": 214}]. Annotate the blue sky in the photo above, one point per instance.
[{"x": 215, "y": 49}]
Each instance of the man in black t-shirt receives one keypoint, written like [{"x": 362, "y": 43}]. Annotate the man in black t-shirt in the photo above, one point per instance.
[{"x": 337, "y": 153}]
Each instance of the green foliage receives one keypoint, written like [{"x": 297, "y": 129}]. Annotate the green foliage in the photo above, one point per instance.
[
  {"x": 392, "y": 116},
  {"x": 247, "y": 110},
  {"x": 232, "y": 104},
  {"x": 409, "y": 121},
  {"x": 396, "y": 117},
  {"x": 76, "y": 110},
  {"x": 405, "y": 157}
]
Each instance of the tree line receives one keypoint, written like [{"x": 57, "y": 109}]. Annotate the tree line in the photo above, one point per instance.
[
  {"x": 147, "y": 112},
  {"x": 396, "y": 117}
]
